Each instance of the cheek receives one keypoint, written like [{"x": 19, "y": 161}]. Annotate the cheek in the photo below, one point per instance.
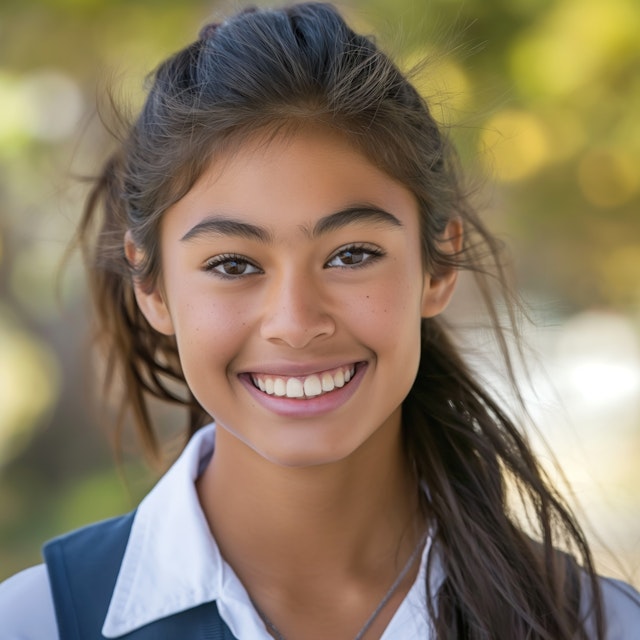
[
  {"x": 389, "y": 310},
  {"x": 209, "y": 331}
]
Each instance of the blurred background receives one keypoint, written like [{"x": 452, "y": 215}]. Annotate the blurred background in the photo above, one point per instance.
[{"x": 542, "y": 97}]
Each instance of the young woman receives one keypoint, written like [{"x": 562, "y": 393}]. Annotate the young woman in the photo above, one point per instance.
[{"x": 274, "y": 243}]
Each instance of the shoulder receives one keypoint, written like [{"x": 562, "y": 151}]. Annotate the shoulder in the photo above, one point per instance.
[
  {"x": 622, "y": 609},
  {"x": 621, "y": 606},
  {"x": 26, "y": 606},
  {"x": 83, "y": 567},
  {"x": 29, "y": 600}
]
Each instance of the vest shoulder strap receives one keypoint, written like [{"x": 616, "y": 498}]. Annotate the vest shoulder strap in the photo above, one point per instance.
[{"x": 83, "y": 567}]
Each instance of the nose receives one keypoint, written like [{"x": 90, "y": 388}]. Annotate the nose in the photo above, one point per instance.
[{"x": 296, "y": 312}]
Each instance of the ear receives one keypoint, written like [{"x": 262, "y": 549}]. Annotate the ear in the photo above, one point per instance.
[
  {"x": 438, "y": 290},
  {"x": 151, "y": 301}
]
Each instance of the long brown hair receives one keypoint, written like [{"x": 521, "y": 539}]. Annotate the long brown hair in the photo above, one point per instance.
[{"x": 269, "y": 69}]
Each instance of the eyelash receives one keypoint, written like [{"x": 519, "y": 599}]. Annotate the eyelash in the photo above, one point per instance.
[
  {"x": 372, "y": 252},
  {"x": 369, "y": 254},
  {"x": 218, "y": 261}
]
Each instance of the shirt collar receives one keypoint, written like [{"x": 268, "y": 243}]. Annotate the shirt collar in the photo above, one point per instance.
[{"x": 172, "y": 562}]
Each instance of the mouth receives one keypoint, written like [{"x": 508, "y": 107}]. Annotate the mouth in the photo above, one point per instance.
[{"x": 303, "y": 387}]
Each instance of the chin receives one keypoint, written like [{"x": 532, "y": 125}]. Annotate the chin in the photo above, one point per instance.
[
  {"x": 297, "y": 458},
  {"x": 305, "y": 452}
]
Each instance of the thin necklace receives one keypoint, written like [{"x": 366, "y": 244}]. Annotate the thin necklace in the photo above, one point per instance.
[{"x": 381, "y": 605}]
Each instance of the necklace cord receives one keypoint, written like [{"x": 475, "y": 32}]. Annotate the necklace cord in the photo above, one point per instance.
[{"x": 380, "y": 606}]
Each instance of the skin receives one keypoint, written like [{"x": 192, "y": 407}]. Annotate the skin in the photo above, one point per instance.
[{"x": 310, "y": 500}]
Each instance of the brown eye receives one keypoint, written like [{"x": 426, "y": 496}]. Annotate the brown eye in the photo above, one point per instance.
[
  {"x": 354, "y": 256},
  {"x": 234, "y": 267},
  {"x": 230, "y": 266},
  {"x": 351, "y": 257}
]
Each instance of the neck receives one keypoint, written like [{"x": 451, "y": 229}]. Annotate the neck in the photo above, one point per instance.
[
  {"x": 291, "y": 522},
  {"x": 328, "y": 538}
]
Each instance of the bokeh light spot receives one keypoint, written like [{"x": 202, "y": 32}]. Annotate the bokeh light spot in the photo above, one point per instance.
[
  {"x": 441, "y": 81},
  {"x": 13, "y": 113},
  {"x": 29, "y": 386},
  {"x": 43, "y": 105},
  {"x": 55, "y": 104},
  {"x": 573, "y": 42},
  {"x": 514, "y": 145}
]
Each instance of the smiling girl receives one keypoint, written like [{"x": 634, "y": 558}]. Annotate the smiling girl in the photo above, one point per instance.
[{"x": 271, "y": 247}]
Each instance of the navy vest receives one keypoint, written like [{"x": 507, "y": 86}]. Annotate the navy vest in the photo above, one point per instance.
[{"x": 83, "y": 567}]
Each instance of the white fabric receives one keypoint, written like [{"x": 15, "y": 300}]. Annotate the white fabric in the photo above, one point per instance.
[{"x": 172, "y": 563}]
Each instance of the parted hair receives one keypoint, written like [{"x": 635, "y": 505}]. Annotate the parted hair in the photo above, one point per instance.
[{"x": 276, "y": 70}]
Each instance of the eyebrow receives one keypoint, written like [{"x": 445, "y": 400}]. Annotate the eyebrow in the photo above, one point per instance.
[
  {"x": 220, "y": 225},
  {"x": 223, "y": 226},
  {"x": 352, "y": 215}
]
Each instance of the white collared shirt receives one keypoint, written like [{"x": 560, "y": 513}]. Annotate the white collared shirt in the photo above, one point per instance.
[{"x": 172, "y": 563}]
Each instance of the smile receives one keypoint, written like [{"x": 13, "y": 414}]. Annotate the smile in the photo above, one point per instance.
[{"x": 312, "y": 386}]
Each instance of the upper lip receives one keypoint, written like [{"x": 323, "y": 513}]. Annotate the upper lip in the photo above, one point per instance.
[{"x": 292, "y": 369}]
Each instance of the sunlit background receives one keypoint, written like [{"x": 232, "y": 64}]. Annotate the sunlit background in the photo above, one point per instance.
[{"x": 542, "y": 97}]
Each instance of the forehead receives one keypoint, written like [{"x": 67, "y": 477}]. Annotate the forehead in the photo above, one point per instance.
[{"x": 290, "y": 180}]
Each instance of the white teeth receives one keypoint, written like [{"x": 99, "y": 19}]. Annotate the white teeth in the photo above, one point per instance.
[
  {"x": 327, "y": 382},
  {"x": 312, "y": 386},
  {"x": 294, "y": 388},
  {"x": 309, "y": 387}
]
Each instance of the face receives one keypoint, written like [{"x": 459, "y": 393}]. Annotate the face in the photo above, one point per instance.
[{"x": 293, "y": 281}]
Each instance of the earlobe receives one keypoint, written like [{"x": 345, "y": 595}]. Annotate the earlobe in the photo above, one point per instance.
[
  {"x": 439, "y": 289},
  {"x": 151, "y": 301}
]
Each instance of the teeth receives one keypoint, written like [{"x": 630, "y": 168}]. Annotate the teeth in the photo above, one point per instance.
[
  {"x": 294, "y": 388},
  {"x": 312, "y": 386},
  {"x": 327, "y": 382},
  {"x": 279, "y": 387},
  {"x": 309, "y": 387}
]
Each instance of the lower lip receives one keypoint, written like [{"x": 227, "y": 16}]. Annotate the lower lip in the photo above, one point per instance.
[{"x": 306, "y": 407}]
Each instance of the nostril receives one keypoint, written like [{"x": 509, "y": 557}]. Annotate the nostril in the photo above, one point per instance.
[{"x": 297, "y": 325}]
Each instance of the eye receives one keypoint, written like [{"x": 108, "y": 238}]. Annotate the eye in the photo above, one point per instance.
[
  {"x": 231, "y": 266},
  {"x": 355, "y": 255}
]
